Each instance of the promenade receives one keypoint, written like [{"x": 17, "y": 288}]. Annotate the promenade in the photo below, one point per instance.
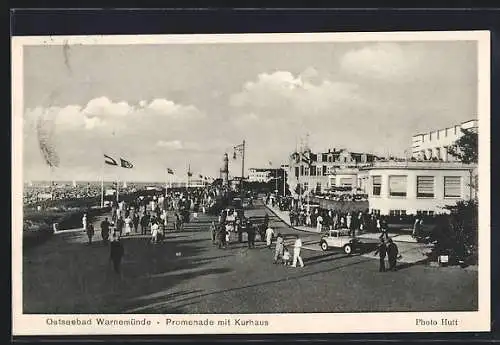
[{"x": 188, "y": 274}]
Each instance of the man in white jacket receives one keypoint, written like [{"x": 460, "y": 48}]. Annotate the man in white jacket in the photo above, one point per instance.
[
  {"x": 296, "y": 252},
  {"x": 269, "y": 237}
]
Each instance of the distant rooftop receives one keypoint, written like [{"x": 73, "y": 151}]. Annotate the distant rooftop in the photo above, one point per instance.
[
  {"x": 434, "y": 130},
  {"x": 431, "y": 165}
]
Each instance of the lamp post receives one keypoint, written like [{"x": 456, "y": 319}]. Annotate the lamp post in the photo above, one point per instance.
[{"x": 240, "y": 149}]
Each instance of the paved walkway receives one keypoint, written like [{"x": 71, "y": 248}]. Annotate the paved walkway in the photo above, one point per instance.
[
  {"x": 189, "y": 275},
  {"x": 411, "y": 251}
]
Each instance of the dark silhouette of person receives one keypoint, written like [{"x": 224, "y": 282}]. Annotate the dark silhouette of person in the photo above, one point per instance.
[
  {"x": 222, "y": 237},
  {"x": 136, "y": 221},
  {"x": 105, "y": 230},
  {"x": 144, "y": 223},
  {"x": 381, "y": 251},
  {"x": 119, "y": 225},
  {"x": 116, "y": 252},
  {"x": 392, "y": 254},
  {"x": 90, "y": 232},
  {"x": 251, "y": 235}
]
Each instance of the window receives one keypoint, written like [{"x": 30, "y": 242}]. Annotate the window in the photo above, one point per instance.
[
  {"x": 397, "y": 186},
  {"x": 306, "y": 185},
  {"x": 377, "y": 184},
  {"x": 376, "y": 212},
  {"x": 425, "y": 186},
  {"x": 346, "y": 182},
  {"x": 318, "y": 187},
  {"x": 301, "y": 170},
  {"x": 452, "y": 186},
  {"x": 313, "y": 170},
  {"x": 324, "y": 170},
  {"x": 324, "y": 157},
  {"x": 306, "y": 171},
  {"x": 318, "y": 171},
  {"x": 296, "y": 171},
  {"x": 397, "y": 212}
]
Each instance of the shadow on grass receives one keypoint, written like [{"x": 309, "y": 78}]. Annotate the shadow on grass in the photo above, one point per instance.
[
  {"x": 67, "y": 276},
  {"x": 406, "y": 265},
  {"x": 268, "y": 282}
]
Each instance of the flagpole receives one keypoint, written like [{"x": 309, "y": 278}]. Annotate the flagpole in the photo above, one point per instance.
[
  {"x": 242, "y": 170},
  {"x": 117, "y": 189},
  {"x": 102, "y": 184}
]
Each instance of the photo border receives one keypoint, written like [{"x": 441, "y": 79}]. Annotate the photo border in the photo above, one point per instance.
[{"x": 385, "y": 322}]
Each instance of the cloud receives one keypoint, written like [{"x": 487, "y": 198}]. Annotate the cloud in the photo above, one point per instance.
[
  {"x": 284, "y": 92},
  {"x": 383, "y": 61},
  {"x": 172, "y": 145},
  {"x": 81, "y": 133},
  {"x": 102, "y": 106},
  {"x": 101, "y": 112}
]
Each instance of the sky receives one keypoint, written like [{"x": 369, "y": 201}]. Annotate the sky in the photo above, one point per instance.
[{"x": 178, "y": 105}]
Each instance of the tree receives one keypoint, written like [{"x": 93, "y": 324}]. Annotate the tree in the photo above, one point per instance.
[{"x": 466, "y": 147}]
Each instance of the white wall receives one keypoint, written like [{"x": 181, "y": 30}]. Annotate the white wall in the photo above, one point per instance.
[
  {"x": 428, "y": 143},
  {"x": 411, "y": 203}
]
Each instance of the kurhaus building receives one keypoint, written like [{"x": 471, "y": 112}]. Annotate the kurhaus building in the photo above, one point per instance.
[
  {"x": 324, "y": 171},
  {"x": 422, "y": 187},
  {"x": 434, "y": 144}
]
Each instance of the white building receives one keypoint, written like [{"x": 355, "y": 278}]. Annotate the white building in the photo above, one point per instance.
[
  {"x": 259, "y": 175},
  {"x": 344, "y": 178},
  {"x": 322, "y": 171},
  {"x": 434, "y": 144},
  {"x": 424, "y": 187}
]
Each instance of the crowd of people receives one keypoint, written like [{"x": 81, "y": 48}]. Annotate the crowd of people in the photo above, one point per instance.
[
  {"x": 39, "y": 194},
  {"x": 232, "y": 224},
  {"x": 155, "y": 215},
  {"x": 314, "y": 216},
  {"x": 150, "y": 215}
]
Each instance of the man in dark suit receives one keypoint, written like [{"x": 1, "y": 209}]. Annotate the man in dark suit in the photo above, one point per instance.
[
  {"x": 105, "y": 230},
  {"x": 251, "y": 234},
  {"x": 381, "y": 251},
  {"x": 392, "y": 254},
  {"x": 116, "y": 252}
]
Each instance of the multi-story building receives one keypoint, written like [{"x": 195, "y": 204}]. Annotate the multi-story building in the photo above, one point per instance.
[
  {"x": 434, "y": 144},
  {"x": 260, "y": 174},
  {"x": 323, "y": 171},
  {"x": 421, "y": 187}
]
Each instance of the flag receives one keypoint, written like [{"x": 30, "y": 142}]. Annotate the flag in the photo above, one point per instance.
[
  {"x": 306, "y": 159},
  {"x": 126, "y": 164},
  {"x": 170, "y": 171},
  {"x": 109, "y": 160},
  {"x": 190, "y": 173},
  {"x": 270, "y": 163}
]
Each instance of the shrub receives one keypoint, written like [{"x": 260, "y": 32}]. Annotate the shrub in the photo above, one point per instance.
[{"x": 456, "y": 235}]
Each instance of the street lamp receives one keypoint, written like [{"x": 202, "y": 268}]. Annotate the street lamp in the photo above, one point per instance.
[{"x": 240, "y": 150}]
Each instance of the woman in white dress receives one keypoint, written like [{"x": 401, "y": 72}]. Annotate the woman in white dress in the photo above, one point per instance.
[
  {"x": 128, "y": 225},
  {"x": 84, "y": 221}
]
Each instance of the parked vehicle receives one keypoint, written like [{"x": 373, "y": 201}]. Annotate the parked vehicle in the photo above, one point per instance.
[
  {"x": 247, "y": 203},
  {"x": 340, "y": 239}
]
